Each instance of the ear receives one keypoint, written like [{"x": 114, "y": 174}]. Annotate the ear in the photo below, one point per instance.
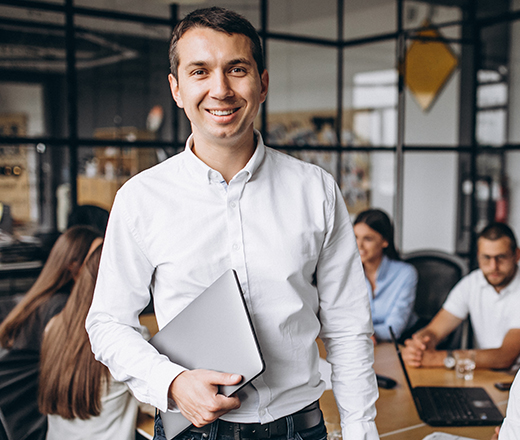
[
  {"x": 385, "y": 244},
  {"x": 517, "y": 255},
  {"x": 174, "y": 87},
  {"x": 264, "y": 80}
]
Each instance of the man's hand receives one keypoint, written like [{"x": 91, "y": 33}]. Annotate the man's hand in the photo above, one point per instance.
[
  {"x": 495, "y": 435},
  {"x": 195, "y": 393},
  {"x": 414, "y": 349}
]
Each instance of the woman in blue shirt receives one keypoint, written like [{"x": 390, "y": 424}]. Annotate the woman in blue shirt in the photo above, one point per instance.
[{"x": 391, "y": 283}]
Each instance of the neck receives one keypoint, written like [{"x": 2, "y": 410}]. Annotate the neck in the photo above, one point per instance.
[
  {"x": 227, "y": 159},
  {"x": 371, "y": 267}
]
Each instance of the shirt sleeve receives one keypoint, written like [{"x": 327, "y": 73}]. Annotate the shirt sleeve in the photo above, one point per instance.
[
  {"x": 346, "y": 324},
  {"x": 510, "y": 429},
  {"x": 402, "y": 304},
  {"x": 457, "y": 302},
  {"x": 121, "y": 293}
]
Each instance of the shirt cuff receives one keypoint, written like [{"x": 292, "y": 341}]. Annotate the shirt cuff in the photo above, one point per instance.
[
  {"x": 162, "y": 377},
  {"x": 360, "y": 431}
]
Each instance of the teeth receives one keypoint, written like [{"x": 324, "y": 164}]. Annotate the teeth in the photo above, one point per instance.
[{"x": 221, "y": 112}]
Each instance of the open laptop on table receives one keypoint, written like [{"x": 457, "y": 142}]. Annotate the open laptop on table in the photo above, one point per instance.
[
  {"x": 214, "y": 332},
  {"x": 451, "y": 406}
]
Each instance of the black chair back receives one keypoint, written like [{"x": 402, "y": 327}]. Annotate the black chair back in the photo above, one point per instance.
[
  {"x": 438, "y": 272},
  {"x": 4, "y": 434}
]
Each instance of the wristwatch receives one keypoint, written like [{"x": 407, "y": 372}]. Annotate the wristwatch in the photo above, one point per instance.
[{"x": 449, "y": 360}]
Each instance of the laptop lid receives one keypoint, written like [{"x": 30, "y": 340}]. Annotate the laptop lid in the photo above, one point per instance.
[
  {"x": 400, "y": 356},
  {"x": 214, "y": 332}
]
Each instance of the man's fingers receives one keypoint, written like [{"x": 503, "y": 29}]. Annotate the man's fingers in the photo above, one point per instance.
[
  {"x": 205, "y": 415},
  {"x": 420, "y": 342},
  {"x": 412, "y": 356},
  {"x": 218, "y": 378},
  {"x": 196, "y": 395}
]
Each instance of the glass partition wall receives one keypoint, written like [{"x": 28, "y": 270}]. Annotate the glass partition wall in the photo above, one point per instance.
[{"x": 408, "y": 104}]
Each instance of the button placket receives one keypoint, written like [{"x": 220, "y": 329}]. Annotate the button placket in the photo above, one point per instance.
[{"x": 235, "y": 226}]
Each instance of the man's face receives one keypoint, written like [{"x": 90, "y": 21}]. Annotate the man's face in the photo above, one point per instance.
[
  {"x": 218, "y": 85},
  {"x": 497, "y": 261}
]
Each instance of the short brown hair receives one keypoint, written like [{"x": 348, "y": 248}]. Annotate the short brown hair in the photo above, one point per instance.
[
  {"x": 221, "y": 20},
  {"x": 497, "y": 230}
]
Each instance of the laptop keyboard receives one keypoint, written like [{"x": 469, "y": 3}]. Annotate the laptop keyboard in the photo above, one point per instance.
[{"x": 452, "y": 404}]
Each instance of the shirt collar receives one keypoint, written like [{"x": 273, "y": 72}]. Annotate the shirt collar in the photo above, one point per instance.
[{"x": 203, "y": 171}]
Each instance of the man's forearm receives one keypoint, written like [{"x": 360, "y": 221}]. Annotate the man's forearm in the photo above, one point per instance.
[
  {"x": 427, "y": 337},
  {"x": 494, "y": 358}
]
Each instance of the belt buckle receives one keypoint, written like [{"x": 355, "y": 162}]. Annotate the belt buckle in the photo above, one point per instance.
[{"x": 258, "y": 432}]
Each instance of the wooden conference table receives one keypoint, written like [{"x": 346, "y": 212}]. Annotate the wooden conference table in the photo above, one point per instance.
[{"x": 397, "y": 417}]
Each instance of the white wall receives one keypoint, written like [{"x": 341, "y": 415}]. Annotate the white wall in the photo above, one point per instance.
[
  {"x": 430, "y": 199},
  {"x": 430, "y": 179},
  {"x": 513, "y": 158},
  {"x": 382, "y": 181}
]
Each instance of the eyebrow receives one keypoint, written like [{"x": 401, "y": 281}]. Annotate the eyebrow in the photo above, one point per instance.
[
  {"x": 232, "y": 62},
  {"x": 240, "y": 61}
]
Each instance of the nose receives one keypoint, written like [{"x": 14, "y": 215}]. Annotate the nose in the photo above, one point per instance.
[{"x": 220, "y": 86}]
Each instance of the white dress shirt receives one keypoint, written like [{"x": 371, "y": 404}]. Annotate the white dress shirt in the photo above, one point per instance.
[
  {"x": 117, "y": 420},
  {"x": 283, "y": 226},
  {"x": 510, "y": 429}
]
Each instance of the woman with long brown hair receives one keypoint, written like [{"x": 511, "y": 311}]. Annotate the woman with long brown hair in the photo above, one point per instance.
[
  {"x": 22, "y": 330},
  {"x": 76, "y": 391},
  {"x": 391, "y": 283}
]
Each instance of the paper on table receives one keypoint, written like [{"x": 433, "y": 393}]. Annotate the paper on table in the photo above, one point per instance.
[{"x": 444, "y": 436}]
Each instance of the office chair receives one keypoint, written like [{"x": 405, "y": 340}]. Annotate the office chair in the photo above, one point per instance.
[
  {"x": 4, "y": 434},
  {"x": 438, "y": 272}
]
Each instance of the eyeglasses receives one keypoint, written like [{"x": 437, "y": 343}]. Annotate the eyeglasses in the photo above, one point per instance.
[{"x": 498, "y": 259}]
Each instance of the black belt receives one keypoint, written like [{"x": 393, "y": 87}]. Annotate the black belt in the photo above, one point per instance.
[{"x": 306, "y": 418}]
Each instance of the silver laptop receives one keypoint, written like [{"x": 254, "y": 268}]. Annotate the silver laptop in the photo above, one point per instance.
[{"x": 214, "y": 332}]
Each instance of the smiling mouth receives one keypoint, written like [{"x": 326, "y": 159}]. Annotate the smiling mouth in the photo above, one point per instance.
[{"x": 223, "y": 112}]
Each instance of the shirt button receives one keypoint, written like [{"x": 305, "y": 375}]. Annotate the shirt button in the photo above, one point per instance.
[
  {"x": 232, "y": 204},
  {"x": 236, "y": 247},
  {"x": 262, "y": 412}
]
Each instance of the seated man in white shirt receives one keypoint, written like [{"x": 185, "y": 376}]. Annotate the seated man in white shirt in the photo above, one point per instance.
[
  {"x": 490, "y": 295},
  {"x": 229, "y": 202}
]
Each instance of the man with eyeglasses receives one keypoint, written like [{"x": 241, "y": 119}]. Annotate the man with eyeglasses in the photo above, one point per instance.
[{"x": 490, "y": 295}]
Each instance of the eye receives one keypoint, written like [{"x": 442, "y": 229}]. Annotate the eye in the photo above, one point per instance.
[
  {"x": 198, "y": 72},
  {"x": 238, "y": 71}
]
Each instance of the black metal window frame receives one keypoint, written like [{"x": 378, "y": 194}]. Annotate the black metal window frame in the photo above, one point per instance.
[{"x": 401, "y": 36}]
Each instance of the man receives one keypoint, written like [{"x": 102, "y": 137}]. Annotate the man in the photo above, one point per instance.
[
  {"x": 226, "y": 202},
  {"x": 490, "y": 295}
]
